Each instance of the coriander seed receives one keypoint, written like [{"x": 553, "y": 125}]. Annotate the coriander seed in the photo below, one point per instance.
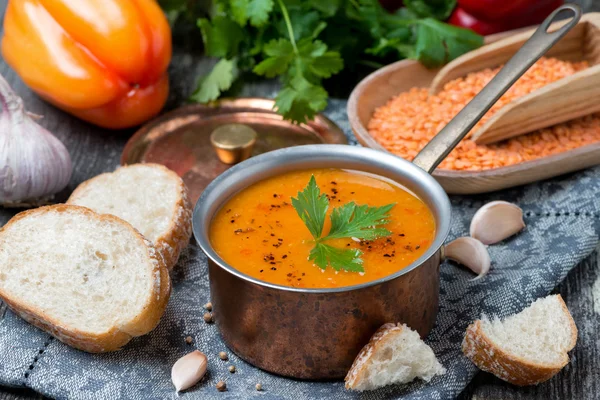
[
  {"x": 208, "y": 318},
  {"x": 223, "y": 356},
  {"x": 231, "y": 368},
  {"x": 221, "y": 386},
  {"x": 258, "y": 387},
  {"x": 208, "y": 306},
  {"x": 189, "y": 340}
]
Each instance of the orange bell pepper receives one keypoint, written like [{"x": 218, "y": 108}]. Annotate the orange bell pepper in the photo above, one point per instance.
[{"x": 104, "y": 61}]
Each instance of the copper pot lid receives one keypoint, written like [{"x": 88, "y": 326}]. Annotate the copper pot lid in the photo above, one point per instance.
[{"x": 181, "y": 139}]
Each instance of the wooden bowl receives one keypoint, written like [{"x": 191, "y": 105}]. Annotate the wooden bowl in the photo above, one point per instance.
[{"x": 379, "y": 87}]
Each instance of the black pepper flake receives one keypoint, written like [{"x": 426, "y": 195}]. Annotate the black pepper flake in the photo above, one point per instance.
[
  {"x": 351, "y": 192},
  {"x": 273, "y": 269},
  {"x": 284, "y": 256},
  {"x": 275, "y": 195},
  {"x": 261, "y": 270},
  {"x": 228, "y": 211},
  {"x": 303, "y": 274},
  {"x": 272, "y": 262},
  {"x": 272, "y": 234},
  {"x": 334, "y": 191},
  {"x": 418, "y": 247},
  {"x": 277, "y": 245},
  {"x": 333, "y": 182},
  {"x": 290, "y": 274},
  {"x": 401, "y": 234},
  {"x": 265, "y": 241},
  {"x": 232, "y": 221},
  {"x": 279, "y": 239},
  {"x": 386, "y": 255}
]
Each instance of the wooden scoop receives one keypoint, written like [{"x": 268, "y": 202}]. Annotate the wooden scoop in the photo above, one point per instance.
[{"x": 560, "y": 101}]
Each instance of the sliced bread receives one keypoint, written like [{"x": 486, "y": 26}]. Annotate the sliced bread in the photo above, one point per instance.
[
  {"x": 395, "y": 354},
  {"x": 150, "y": 197},
  {"x": 90, "y": 280},
  {"x": 526, "y": 348}
]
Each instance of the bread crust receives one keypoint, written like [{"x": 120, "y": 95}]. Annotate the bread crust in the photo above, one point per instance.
[
  {"x": 115, "y": 337},
  {"x": 177, "y": 237},
  {"x": 482, "y": 351},
  {"x": 359, "y": 366}
]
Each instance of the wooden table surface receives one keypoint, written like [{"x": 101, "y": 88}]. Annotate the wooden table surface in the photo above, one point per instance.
[{"x": 94, "y": 151}]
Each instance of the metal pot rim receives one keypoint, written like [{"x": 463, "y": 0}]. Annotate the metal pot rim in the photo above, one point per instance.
[{"x": 229, "y": 183}]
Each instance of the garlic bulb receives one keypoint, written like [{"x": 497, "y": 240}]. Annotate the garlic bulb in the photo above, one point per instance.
[
  {"x": 496, "y": 221},
  {"x": 33, "y": 162},
  {"x": 471, "y": 253},
  {"x": 188, "y": 370}
]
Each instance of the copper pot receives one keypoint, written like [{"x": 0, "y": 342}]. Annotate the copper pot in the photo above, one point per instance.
[{"x": 316, "y": 333}]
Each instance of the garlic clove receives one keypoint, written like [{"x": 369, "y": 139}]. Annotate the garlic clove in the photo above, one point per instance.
[
  {"x": 34, "y": 164},
  {"x": 471, "y": 253},
  {"x": 189, "y": 370},
  {"x": 496, "y": 221}
]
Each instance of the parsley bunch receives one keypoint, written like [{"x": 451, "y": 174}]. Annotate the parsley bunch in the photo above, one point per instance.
[
  {"x": 348, "y": 221},
  {"x": 311, "y": 44}
]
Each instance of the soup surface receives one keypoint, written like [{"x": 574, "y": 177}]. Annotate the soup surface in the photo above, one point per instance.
[{"x": 259, "y": 233}]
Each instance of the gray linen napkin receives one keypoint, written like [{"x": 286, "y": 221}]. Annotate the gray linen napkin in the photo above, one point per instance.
[{"x": 563, "y": 225}]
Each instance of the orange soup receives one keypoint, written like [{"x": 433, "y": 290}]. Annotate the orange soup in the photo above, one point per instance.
[{"x": 259, "y": 232}]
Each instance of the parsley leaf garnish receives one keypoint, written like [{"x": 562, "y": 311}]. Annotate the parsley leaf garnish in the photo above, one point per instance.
[
  {"x": 351, "y": 220},
  {"x": 312, "y": 207},
  {"x": 348, "y": 221},
  {"x": 339, "y": 259}
]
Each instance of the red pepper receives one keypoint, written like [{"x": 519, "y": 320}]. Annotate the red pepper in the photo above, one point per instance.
[{"x": 491, "y": 16}]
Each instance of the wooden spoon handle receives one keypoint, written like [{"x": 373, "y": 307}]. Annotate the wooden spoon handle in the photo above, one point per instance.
[{"x": 537, "y": 45}]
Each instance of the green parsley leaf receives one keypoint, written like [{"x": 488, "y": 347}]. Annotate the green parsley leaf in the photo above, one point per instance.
[
  {"x": 316, "y": 62},
  {"x": 439, "y": 43},
  {"x": 347, "y": 221},
  {"x": 257, "y": 11},
  {"x": 438, "y": 9},
  {"x": 281, "y": 54},
  {"x": 221, "y": 36},
  {"x": 300, "y": 100},
  {"x": 312, "y": 207},
  {"x": 351, "y": 220},
  {"x": 217, "y": 81},
  {"x": 339, "y": 259},
  {"x": 326, "y": 7}
]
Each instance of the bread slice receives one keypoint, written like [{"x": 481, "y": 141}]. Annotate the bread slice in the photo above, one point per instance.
[
  {"x": 395, "y": 354},
  {"x": 526, "y": 348},
  {"x": 90, "y": 280},
  {"x": 150, "y": 197}
]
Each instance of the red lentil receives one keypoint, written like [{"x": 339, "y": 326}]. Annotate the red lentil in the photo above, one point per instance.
[{"x": 408, "y": 121}]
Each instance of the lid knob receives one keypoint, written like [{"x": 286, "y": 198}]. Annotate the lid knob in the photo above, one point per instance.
[{"x": 233, "y": 142}]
